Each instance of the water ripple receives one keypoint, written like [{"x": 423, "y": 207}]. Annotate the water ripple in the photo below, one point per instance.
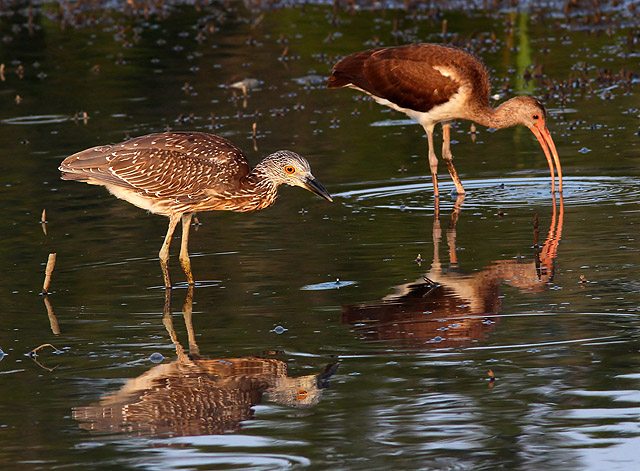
[
  {"x": 328, "y": 285},
  {"x": 172, "y": 458},
  {"x": 502, "y": 192},
  {"x": 37, "y": 119}
]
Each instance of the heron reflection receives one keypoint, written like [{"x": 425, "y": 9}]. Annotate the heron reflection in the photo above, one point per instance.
[
  {"x": 447, "y": 308},
  {"x": 197, "y": 396}
]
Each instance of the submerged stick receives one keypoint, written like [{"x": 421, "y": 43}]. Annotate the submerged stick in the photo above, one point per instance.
[
  {"x": 51, "y": 263},
  {"x": 53, "y": 320}
]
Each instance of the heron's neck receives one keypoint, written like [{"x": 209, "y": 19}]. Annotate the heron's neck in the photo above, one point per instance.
[
  {"x": 503, "y": 116},
  {"x": 260, "y": 187}
]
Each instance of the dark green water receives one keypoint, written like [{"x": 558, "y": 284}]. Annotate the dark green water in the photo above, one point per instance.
[{"x": 268, "y": 323}]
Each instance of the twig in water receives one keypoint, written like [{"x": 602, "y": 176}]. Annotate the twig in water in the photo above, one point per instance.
[
  {"x": 255, "y": 133},
  {"x": 34, "y": 352},
  {"x": 51, "y": 263},
  {"x": 43, "y": 221},
  {"x": 53, "y": 320}
]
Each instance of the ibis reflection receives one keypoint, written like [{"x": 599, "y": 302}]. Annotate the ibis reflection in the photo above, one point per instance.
[
  {"x": 445, "y": 307},
  {"x": 195, "y": 396}
]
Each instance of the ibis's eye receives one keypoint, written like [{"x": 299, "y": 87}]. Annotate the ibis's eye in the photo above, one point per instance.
[
  {"x": 302, "y": 395},
  {"x": 535, "y": 116},
  {"x": 290, "y": 169}
]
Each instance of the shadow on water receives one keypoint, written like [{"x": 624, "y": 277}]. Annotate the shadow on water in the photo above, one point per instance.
[
  {"x": 199, "y": 396},
  {"x": 448, "y": 308}
]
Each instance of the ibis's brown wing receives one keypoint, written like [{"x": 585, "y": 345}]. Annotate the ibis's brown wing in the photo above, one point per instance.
[
  {"x": 409, "y": 76},
  {"x": 187, "y": 166}
]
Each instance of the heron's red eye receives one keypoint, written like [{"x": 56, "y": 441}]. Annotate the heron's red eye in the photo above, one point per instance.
[
  {"x": 535, "y": 116},
  {"x": 289, "y": 169}
]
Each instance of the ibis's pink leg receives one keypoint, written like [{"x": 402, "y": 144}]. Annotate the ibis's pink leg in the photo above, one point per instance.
[
  {"x": 164, "y": 250},
  {"x": 451, "y": 233},
  {"x": 448, "y": 157},
  {"x": 184, "y": 247},
  {"x": 433, "y": 162}
]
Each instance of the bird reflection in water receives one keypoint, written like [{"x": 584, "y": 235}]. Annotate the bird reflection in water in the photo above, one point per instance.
[
  {"x": 196, "y": 396},
  {"x": 446, "y": 308}
]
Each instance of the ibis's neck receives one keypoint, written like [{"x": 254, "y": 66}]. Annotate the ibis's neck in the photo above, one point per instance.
[{"x": 503, "y": 116}]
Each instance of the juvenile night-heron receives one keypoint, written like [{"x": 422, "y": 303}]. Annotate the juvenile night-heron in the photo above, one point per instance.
[
  {"x": 435, "y": 83},
  {"x": 177, "y": 174}
]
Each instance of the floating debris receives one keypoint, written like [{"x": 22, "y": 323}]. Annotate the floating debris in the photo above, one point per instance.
[{"x": 245, "y": 84}]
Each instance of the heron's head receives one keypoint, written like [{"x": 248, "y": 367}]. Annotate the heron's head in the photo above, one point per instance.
[{"x": 286, "y": 167}]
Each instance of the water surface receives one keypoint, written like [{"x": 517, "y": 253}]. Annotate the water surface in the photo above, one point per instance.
[{"x": 377, "y": 332}]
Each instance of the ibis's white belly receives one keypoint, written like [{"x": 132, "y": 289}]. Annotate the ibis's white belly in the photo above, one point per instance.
[{"x": 453, "y": 108}]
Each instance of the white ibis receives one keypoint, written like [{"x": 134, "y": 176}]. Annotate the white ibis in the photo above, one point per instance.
[{"x": 435, "y": 83}]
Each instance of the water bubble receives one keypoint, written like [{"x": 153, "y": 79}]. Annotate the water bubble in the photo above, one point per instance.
[
  {"x": 279, "y": 329},
  {"x": 156, "y": 357}
]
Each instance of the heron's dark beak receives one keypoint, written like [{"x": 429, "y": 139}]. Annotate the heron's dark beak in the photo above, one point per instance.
[{"x": 314, "y": 186}]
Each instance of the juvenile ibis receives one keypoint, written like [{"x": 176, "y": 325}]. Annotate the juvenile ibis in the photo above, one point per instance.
[{"x": 434, "y": 83}]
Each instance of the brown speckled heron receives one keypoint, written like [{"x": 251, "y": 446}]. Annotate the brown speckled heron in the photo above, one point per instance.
[{"x": 177, "y": 174}]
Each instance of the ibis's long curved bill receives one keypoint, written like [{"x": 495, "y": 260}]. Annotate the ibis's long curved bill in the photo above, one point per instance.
[
  {"x": 314, "y": 186},
  {"x": 549, "y": 148}
]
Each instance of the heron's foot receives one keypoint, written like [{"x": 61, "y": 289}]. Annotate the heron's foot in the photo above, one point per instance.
[
  {"x": 165, "y": 274},
  {"x": 186, "y": 267}
]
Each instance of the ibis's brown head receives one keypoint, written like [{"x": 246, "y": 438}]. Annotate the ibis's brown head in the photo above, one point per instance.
[{"x": 530, "y": 112}]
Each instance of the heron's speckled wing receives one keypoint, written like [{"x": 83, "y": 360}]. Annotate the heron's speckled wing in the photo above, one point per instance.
[{"x": 183, "y": 166}]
